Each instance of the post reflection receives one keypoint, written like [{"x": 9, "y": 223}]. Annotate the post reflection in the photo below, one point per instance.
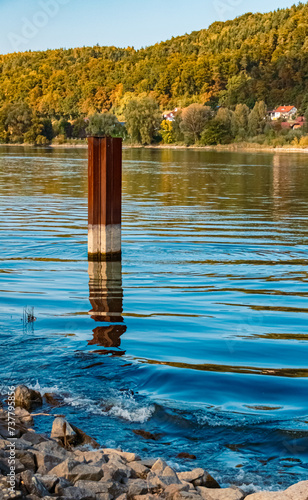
[{"x": 106, "y": 298}]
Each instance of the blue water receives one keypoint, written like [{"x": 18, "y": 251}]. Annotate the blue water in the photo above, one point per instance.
[{"x": 200, "y": 335}]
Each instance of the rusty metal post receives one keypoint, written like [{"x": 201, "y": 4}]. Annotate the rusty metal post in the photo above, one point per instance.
[{"x": 104, "y": 198}]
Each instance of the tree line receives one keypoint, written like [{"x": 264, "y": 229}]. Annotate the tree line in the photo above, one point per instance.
[{"x": 144, "y": 123}]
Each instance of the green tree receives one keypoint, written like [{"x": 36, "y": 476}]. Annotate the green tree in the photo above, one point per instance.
[
  {"x": 143, "y": 119},
  {"x": 239, "y": 122},
  {"x": 194, "y": 119},
  {"x": 16, "y": 119},
  {"x": 257, "y": 119},
  {"x": 214, "y": 133},
  {"x": 103, "y": 124}
]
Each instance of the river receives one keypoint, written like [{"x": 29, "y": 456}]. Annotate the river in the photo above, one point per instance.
[{"x": 199, "y": 336}]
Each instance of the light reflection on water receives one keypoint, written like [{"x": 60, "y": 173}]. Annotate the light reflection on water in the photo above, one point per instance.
[{"x": 201, "y": 333}]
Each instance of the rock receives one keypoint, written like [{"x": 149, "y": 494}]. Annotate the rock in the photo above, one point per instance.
[
  {"x": 49, "y": 482},
  {"x": 187, "y": 495},
  {"x": 113, "y": 472},
  {"x": 82, "y": 439},
  {"x": 191, "y": 475},
  {"x": 147, "y": 435},
  {"x": 53, "y": 400},
  {"x": 32, "y": 485},
  {"x": 64, "y": 469},
  {"x": 161, "y": 480},
  {"x": 186, "y": 456},
  {"x": 85, "y": 472},
  {"x": 129, "y": 457},
  {"x": 139, "y": 470},
  {"x": 266, "y": 495},
  {"x": 27, "y": 398},
  {"x": 24, "y": 416},
  {"x": 61, "y": 429},
  {"x": 137, "y": 487},
  {"x": 158, "y": 466},
  {"x": 33, "y": 438},
  {"x": 199, "y": 477},
  {"x": 148, "y": 462},
  {"x": 298, "y": 491},
  {"x": 172, "y": 489},
  {"x": 61, "y": 485},
  {"x": 232, "y": 493},
  {"x": 27, "y": 459},
  {"x": 74, "y": 493},
  {"x": 97, "y": 458},
  {"x": 49, "y": 454}
]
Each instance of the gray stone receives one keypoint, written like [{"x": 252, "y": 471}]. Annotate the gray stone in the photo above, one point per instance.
[
  {"x": 159, "y": 466},
  {"x": 27, "y": 398},
  {"x": 137, "y": 487},
  {"x": 148, "y": 462},
  {"x": 85, "y": 472},
  {"x": 49, "y": 482},
  {"x": 33, "y": 485},
  {"x": 27, "y": 459},
  {"x": 115, "y": 473},
  {"x": 64, "y": 469},
  {"x": 96, "y": 457},
  {"x": 74, "y": 493}
]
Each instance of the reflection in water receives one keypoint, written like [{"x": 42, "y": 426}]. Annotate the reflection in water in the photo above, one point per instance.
[{"x": 106, "y": 298}]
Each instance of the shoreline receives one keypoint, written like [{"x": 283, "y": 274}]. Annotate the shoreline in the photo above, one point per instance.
[
  {"x": 232, "y": 148},
  {"x": 69, "y": 464}
]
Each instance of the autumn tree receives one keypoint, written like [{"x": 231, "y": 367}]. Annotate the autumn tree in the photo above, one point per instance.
[{"x": 194, "y": 119}]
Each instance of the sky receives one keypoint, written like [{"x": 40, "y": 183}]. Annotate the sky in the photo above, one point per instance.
[{"x": 42, "y": 24}]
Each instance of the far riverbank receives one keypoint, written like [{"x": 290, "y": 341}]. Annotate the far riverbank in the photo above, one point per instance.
[{"x": 239, "y": 148}]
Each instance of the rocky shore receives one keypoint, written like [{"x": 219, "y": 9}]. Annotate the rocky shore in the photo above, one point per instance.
[{"x": 68, "y": 464}]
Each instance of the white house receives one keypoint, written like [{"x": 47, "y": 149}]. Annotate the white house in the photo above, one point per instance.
[{"x": 285, "y": 112}]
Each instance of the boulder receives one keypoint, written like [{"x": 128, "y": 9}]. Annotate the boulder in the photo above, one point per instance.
[
  {"x": 128, "y": 457},
  {"x": 27, "y": 459},
  {"x": 49, "y": 482},
  {"x": 62, "y": 430},
  {"x": 139, "y": 470},
  {"x": 298, "y": 491},
  {"x": 24, "y": 416},
  {"x": 27, "y": 398},
  {"x": 64, "y": 469},
  {"x": 85, "y": 472},
  {"x": 158, "y": 466},
  {"x": 268, "y": 495},
  {"x": 137, "y": 487},
  {"x": 32, "y": 485},
  {"x": 191, "y": 475},
  {"x": 97, "y": 458},
  {"x": 199, "y": 477},
  {"x": 116, "y": 473},
  {"x": 232, "y": 493},
  {"x": 74, "y": 493}
]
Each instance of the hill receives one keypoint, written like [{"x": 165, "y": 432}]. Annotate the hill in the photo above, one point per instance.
[{"x": 251, "y": 58}]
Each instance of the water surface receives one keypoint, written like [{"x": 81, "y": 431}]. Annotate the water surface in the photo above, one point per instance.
[{"x": 199, "y": 336}]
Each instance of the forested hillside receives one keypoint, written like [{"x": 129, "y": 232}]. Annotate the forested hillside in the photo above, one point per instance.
[{"x": 256, "y": 57}]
